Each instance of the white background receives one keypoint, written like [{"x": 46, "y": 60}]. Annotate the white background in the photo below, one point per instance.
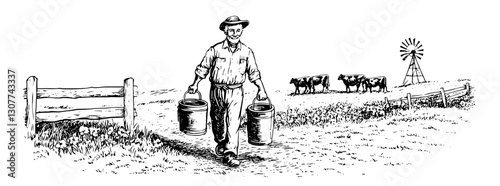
[{"x": 96, "y": 43}]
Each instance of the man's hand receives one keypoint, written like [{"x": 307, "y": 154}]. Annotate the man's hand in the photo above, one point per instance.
[
  {"x": 192, "y": 89},
  {"x": 261, "y": 95}
]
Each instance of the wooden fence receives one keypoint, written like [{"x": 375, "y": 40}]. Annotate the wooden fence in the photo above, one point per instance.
[
  {"x": 442, "y": 96},
  {"x": 118, "y": 109}
]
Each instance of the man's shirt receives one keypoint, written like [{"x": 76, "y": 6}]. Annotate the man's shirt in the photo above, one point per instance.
[{"x": 228, "y": 67}]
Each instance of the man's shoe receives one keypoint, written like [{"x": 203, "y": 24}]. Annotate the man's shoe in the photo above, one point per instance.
[
  {"x": 230, "y": 160},
  {"x": 219, "y": 150}
]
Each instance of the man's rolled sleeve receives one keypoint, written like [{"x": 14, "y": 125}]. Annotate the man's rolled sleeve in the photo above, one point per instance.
[
  {"x": 203, "y": 68},
  {"x": 252, "y": 70}
]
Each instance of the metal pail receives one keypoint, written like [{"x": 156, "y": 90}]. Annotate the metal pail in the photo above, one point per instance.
[
  {"x": 260, "y": 123},
  {"x": 192, "y": 115}
]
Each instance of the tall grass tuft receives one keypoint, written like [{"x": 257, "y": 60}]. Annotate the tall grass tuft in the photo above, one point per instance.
[{"x": 91, "y": 136}]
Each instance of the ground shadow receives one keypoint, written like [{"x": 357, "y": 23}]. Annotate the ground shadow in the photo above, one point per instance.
[
  {"x": 186, "y": 148},
  {"x": 251, "y": 154},
  {"x": 205, "y": 153}
]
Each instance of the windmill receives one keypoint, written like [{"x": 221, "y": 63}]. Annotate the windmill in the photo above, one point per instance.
[{"x": 412, "y": 49}]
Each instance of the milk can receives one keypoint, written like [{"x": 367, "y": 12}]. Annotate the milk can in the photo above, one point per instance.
[
  {"x": 192, "y": 115},
  {"x": 260, "y": 123}
]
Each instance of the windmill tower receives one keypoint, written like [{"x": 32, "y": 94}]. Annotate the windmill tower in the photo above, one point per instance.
[{"x": 412, "y": 49}]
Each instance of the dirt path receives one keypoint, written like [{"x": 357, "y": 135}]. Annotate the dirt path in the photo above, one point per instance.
[{"x": 307, "y": 150}]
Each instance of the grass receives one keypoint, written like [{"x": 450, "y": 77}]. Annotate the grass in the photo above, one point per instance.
[
  {"x": 95, "y": 141},
  {"x": 339, "y": 133},
  {"x": 347, "y": 112},
  {"x": 106, "y": 147},
  {"x": 333, "y": 113}
]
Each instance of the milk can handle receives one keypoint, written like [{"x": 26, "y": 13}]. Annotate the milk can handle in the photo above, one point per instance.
[
  {"x": 253, "y": 102},
  {"x": 199, "y": 95}
]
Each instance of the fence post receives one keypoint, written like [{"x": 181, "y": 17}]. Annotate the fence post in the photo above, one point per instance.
[
  {"x": 128, "y": 104},
  {"x": 443, "y": 96},
  {"x": 386, "y": 100},
  {"x": 31, "y": 93},
  {"x": 467, "y": 88},
  {"x": 409, "y": 100}
]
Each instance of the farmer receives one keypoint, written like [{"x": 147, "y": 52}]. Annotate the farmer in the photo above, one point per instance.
[{"x": 228, "y": 62}]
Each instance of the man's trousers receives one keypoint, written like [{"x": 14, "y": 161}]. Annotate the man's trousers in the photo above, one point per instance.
[{"x": 225, "y": 113}]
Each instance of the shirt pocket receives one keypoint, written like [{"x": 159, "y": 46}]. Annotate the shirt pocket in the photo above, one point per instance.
[
  {"x": 220, "y": 62},
  {"x": 242, "y": 65}
]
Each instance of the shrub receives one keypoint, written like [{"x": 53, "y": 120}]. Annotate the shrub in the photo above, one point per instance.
[{"x": 333, "y": 113}]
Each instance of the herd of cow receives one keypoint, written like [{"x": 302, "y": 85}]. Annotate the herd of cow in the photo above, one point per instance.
[{"x": 366, "y": 83}]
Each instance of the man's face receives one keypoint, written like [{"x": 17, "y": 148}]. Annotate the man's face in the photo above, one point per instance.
[{"x": 233, "y": 32}]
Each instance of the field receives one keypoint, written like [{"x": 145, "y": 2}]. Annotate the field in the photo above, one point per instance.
[{"x": 315, "y": 134}]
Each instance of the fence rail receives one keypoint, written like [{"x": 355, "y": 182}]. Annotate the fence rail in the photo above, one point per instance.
[
  {"x": 88, "y": 92},
  {"x": 122, "y": 108},
  {"x": 92, "y": 114},
  {"x": 445, "y": 95}
]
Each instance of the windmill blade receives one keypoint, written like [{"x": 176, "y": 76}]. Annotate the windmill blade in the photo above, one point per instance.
[
  {"x": 410, "y": 41},
  {"x": 403, "y": 47},
  {"x": 419, "y": 57},
  {"x": 421, "y": 54},
  {"x": 420, "y": 46},
  {"x": 407, "y": 42},
  {"x": 418, "y": 43},
  {"x": 420, "y": 50},
  {"x": 403, "y": 51},
  {"x": 405, "y": 54},
  {"x": 404, "y": 44},
  {"x": 414, "y": 41},
  {"x": 404, "y": 59}
]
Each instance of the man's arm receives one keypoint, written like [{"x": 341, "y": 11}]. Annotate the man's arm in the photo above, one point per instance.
[
  {"x": 254, "y": 76},
  {"x": 194, "y": 87},
  {"x": 261, "y": 93},
  {"x": 202, "y": 70}
]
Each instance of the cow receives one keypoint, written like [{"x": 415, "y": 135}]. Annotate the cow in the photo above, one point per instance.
[
  {"x": 351, "y": 80},
  {"x": 380, "y": 82},
  {"x": 300, "y": 82},
  {"x": 322, "y": 79}
]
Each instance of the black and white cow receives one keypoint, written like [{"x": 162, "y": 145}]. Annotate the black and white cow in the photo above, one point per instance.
[
  {"x": 380, "y": 82},
  {"x": 351, "y": 80},
  {"x": 322, "y": 79},
  {"x": 300, "y": 82}
]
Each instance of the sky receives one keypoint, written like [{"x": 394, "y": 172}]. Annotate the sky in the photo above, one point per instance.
[
  {"x": 87, "y": 43},
  {"x": 159, "y": 43}
]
